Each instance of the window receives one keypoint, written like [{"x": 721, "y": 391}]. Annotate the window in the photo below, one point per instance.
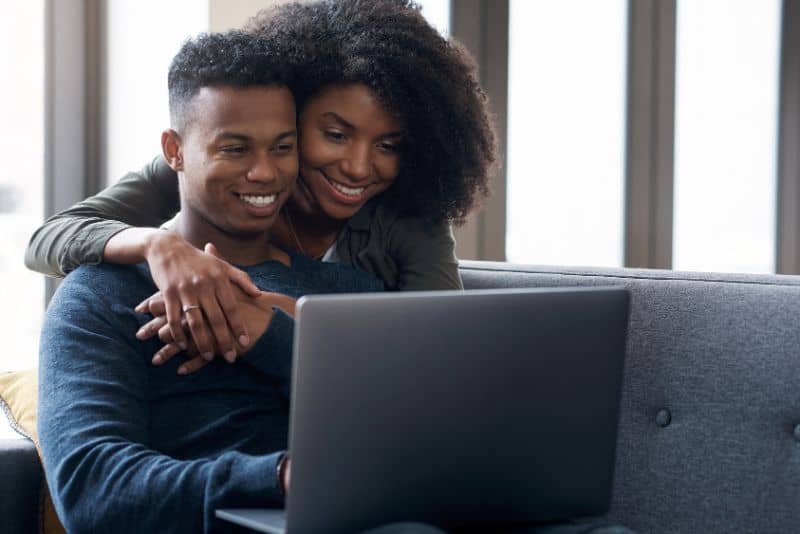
[
  {"x": 21, "y": 183},
  {"x": 566, "y": 131},
  {"x": 437, "y": 12},
  {"x": 22, "y": 179},
  {"x": 137, "y": 105},
  {"x": 725, "y": 135}
]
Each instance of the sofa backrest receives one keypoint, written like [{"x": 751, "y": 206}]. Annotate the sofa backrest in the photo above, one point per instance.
[{"x": 709, "y": 433}]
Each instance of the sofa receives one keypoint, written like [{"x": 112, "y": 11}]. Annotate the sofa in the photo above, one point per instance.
[{"x": 709, "y": 430}]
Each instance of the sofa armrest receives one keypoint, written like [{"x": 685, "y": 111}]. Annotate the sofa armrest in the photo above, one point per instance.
[{"x": 20, "y": 486}]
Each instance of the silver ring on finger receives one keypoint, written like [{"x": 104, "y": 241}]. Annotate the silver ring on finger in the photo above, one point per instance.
[{"x": 189, "y": 307}]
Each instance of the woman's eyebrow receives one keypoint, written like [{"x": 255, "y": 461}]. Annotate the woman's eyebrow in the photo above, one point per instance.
[
  {"x": 338, "y": 118},
  {"x": 343, "y": 122}
]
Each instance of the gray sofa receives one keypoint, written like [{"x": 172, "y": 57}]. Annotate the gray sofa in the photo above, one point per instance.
[{"x": 709, "y": 435}]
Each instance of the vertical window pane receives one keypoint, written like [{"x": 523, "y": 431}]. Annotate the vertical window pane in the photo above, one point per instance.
[
  {"x": 437, "y": 12},
  {"x": 137, "y": 65},
  {"x": 725, "y": 135},
  {"x": 566, "y": 131},
  {"x": 21, "y": 182}
]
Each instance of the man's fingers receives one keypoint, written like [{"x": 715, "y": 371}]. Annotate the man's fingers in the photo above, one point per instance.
[
  {"x": 165, "y": 353},
  {"x": 152, "y": 328},
  {"x": 192, "y": 365},
  {"x": 156, "y": 305}
]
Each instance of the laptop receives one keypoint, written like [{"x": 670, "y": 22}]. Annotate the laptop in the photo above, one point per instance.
[{"x": 462, "y": 409}]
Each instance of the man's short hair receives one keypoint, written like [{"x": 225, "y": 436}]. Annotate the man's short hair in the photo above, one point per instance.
[{"x": 233, "y": 59}]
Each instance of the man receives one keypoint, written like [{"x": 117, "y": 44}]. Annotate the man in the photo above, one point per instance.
[{"x": 128, "y": 446}]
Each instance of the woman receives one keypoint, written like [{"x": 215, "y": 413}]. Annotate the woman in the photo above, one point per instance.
[{"x": 395, "y": 144}]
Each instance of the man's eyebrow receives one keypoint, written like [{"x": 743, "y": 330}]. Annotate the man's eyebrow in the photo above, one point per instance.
[
  {"x": 339, "y": 118},
  {"x": 288, "y": 133},
  {"x": 231, "y": 136},
  {"x": 235, "y": 136}
]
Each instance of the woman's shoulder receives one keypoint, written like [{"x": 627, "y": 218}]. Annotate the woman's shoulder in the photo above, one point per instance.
[{"x": 394, "y": 224}]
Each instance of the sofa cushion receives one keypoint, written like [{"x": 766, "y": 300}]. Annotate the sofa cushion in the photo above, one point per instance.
[
  {"x": 18, "y": 392},
  {"x": 18, "y": 396},
  {"x": 709, "y": 434}
]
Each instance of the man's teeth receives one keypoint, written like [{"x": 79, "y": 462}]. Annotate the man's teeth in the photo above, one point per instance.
[
  {"x": 351, "y": 191},
  {"x": 258, "y": 200}
]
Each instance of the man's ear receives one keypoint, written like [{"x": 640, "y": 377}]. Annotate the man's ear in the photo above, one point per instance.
[{"x": 172, "y": 149}]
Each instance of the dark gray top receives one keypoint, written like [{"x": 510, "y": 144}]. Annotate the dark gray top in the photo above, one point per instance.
[{"x": 407, "y": 253}]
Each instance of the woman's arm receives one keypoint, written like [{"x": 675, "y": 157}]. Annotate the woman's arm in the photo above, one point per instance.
[
  {"x": 118, "y": 225},
  {"x": 79, "y": 235}
]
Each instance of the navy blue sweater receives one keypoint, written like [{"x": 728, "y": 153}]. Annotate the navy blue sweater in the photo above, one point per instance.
[{"x": 129, "y": 447}]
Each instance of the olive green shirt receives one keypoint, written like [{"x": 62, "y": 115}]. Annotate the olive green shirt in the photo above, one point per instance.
[{"x": 404, "y": 252}]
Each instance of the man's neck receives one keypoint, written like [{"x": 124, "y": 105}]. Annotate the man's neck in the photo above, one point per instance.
[{"x": 235, "y": 249}]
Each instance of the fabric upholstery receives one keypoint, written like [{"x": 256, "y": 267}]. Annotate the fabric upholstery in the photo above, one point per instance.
[
  {"x": 20, "y": 483},
  {"x": 709, "y": 435},
  {"x": 18, "y": 393}
]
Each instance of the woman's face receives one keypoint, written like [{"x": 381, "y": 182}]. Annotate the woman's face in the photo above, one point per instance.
[{"x": 349, "y": 150}]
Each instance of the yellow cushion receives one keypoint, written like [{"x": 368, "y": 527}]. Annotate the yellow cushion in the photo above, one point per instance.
[
  {"x": 18, "y": 394},
  {"x": 19, "y": 398}
]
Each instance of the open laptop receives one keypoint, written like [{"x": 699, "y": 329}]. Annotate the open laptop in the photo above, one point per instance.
[{"x": 482, "y": 408}]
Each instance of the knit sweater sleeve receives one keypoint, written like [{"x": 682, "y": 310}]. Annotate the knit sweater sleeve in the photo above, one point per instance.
[
  {"x": 78, "y": 235},
  {"x": 94, "y": 431}
]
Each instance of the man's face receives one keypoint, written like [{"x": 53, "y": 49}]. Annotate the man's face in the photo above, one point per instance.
[{"x": 238, "y": 158}]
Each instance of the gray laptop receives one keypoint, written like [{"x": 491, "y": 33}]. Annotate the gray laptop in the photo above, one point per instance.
[{"x": 460, "y": 409}]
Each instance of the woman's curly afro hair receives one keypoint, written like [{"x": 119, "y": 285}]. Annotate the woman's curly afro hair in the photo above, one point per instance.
[{"x": 428, "y": 81}]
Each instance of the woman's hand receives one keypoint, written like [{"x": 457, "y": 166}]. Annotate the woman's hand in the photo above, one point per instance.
[
  {"x": 198, "y": 287},
  {"x": 255, "y": 311}
]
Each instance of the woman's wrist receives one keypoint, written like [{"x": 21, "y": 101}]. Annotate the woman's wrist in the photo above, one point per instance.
[{"x": 134, "y": 245}]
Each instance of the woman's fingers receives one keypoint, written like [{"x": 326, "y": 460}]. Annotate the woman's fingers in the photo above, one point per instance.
[
  {"x": 215, "y": 319},
  {"x": 235, "y": 319},
  {"x": 174, "y": 313},
  {"x": 242, "y": 279}
]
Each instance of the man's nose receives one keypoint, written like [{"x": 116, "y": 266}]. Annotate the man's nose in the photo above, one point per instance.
[{"x": 263, "y": 169}]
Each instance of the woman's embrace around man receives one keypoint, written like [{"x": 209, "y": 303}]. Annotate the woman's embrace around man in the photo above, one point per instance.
[{"x": 345, "y": 131}]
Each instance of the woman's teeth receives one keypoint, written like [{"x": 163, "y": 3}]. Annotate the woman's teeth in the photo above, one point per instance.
[
  {"x": 258, "y": 201},
  {"x": 349, "y": 191}
]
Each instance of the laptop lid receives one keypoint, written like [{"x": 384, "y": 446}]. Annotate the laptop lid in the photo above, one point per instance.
[{"x": 473, "y": 408}]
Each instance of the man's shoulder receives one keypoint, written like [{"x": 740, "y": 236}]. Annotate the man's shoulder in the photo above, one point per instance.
[
  {"x": 306, "y": 275},
  {"x": 109, "y": 281},
  {"x": 333, "y": 277}
]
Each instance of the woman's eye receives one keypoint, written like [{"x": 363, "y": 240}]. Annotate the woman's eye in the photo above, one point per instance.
[
  {"x": 333, "y": 135},
  {"x": 389, "y": 147}
]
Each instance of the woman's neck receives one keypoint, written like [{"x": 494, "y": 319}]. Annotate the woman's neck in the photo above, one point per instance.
[{"x": 311, "y": 234}]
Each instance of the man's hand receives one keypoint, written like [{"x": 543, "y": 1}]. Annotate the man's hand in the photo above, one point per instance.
[{"x": 197, "y": 292}]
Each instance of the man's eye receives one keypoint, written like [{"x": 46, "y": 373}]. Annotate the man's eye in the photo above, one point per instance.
[
  {"x": 284, "y": 148},
  {"x": 234, "y": 149}
]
